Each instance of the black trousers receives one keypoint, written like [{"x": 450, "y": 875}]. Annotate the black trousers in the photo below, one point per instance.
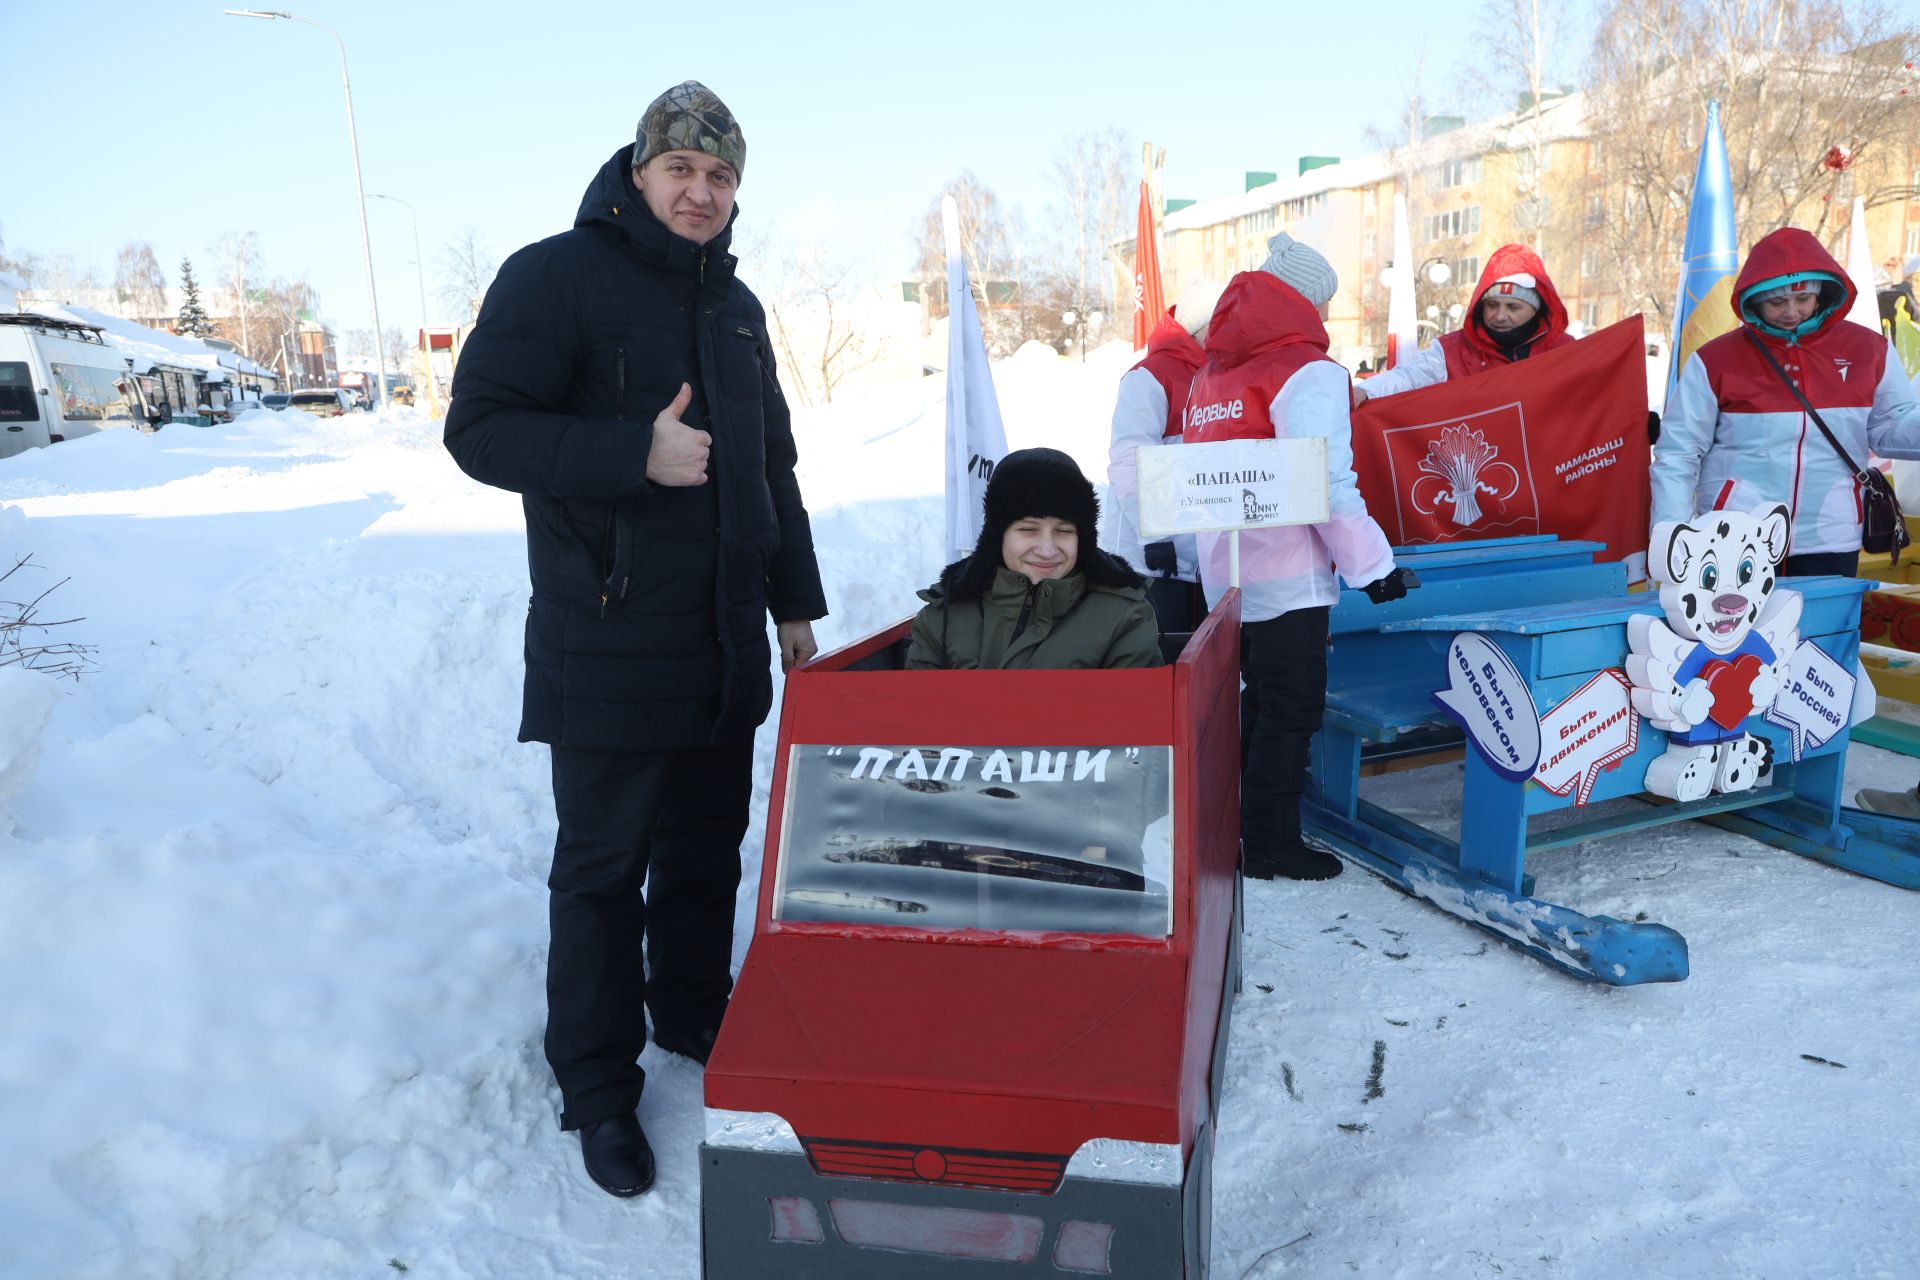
[
  {"x": 1178, "y": 607},
  {"x": 1283, "y": 670},
  {"x": 1839, "y": 564},
  {"x": 647, "y": 859}
]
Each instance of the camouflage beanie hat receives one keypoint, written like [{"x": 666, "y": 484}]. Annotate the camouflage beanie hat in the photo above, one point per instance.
[{"x": 690, "y": 117}]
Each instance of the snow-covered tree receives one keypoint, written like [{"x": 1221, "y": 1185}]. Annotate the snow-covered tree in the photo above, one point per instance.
[{"x": 193, "y": 319}]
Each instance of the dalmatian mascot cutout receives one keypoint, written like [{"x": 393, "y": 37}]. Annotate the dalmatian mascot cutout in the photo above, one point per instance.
[{"x": 1722, "y": 652}]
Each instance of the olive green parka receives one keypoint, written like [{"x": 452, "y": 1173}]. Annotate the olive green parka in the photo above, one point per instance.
[{"x": 1070, "y": 622}]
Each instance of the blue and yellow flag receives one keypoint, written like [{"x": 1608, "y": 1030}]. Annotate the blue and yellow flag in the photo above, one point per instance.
[
  {"x": 1906, "y": 338},
  {"x": 1704, "y": 308}
]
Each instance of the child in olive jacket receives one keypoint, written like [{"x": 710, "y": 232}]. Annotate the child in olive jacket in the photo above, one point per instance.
[{"x": 1037, "y": 592}]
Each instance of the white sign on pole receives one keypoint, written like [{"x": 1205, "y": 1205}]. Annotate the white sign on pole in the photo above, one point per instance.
[{"x": 1232, "y": 484}]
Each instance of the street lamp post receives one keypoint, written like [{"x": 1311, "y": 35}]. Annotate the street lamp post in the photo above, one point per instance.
[
  {"x": 1439, "y": 272},
  {"x": 420, "y": 273},
  {"x": 359, "y": 190}
]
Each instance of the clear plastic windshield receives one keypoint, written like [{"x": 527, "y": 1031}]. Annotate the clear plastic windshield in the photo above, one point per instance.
[{"x": 979, "y": 837}]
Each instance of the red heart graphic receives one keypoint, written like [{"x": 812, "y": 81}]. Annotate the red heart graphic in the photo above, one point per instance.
[{"x": 1731, "y": 684}]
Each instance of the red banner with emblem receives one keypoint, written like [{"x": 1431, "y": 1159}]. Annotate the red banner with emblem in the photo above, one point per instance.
[
  {"x": 1149, "y": 300},
  {"x": 1556, "y": 444}
]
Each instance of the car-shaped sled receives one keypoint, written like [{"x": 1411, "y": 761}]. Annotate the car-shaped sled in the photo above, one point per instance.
[{"x": 983, "y": 1016}]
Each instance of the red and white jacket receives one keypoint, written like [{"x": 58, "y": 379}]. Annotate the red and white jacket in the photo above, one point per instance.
[
  {"x": 1470, "y": 349},
  {"x": 1734, "y": 436},
  {"x": 1268, "y": 377},
  {"x": 1148, "y": 410}
]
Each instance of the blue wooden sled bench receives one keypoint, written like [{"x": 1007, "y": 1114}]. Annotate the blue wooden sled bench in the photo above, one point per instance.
[{"x": 1561, "y": 619}]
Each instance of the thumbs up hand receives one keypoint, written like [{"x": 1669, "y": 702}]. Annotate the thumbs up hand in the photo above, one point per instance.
[{"x": 678, "y": 458}]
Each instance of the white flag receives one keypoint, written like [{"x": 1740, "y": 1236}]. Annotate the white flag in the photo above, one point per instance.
[
  {"x": 975, "y": 439},
  {"x": 1403, "y": 327},
  {"x": 1866, "y": 299}
]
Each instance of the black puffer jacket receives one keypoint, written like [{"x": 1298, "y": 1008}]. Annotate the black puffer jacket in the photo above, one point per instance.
[{"x": 647, "y": 626}]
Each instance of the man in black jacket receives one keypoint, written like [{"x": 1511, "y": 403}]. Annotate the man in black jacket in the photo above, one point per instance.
[{"x": 620, "y": 380}]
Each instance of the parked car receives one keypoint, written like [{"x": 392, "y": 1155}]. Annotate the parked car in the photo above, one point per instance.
[
  {"x": 59, "y": 380},
  {"x": 322, "y": 402},
  {"x": 276, "y": 400},
  {"x": 239, "y": 405}
]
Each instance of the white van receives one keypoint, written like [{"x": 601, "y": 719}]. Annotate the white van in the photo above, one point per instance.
[{"x": 60, "y": 379}]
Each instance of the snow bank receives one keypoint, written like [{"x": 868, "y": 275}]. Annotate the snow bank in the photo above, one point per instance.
[{"x": 273, "y": 927}]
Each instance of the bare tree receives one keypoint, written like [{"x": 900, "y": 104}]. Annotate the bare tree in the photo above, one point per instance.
[
  {"x": 1404, "y": 143},
  {"x": 987, "y": 247},
  {"x": 1807, "y": 89},
  {"x": 28, "y": 267},
  {"x": 354, "y": 345},
  {"x": 811, "y": 314},
  {"x": 24, "y": 636},
  {"x": 278, "y": 310},
  {"x": 63, "y": 273},
  {"x": 468, "y": 267},
  {"x": 1089, "y": 212},
  {"x": 237, "y": 255},
  {"x": 138, "y": 281},
  {"x": 1518, "y": 38}
]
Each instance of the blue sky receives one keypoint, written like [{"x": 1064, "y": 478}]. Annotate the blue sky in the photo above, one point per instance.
[{"x": 170, "y": 122}]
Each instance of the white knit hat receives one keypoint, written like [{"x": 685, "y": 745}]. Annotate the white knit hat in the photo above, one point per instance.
[
  {"x": 1757, "y": 296},
  {"x": 1301, "y": 266},
  {"x": 1194, "y": 310},
  {"x": 1520, "y": 284}
]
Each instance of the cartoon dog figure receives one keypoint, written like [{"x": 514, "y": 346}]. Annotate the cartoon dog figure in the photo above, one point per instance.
[{"x": 1722, "y": 652}]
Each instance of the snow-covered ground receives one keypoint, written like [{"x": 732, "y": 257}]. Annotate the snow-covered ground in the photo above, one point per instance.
[{"x": 272, "y": 927}]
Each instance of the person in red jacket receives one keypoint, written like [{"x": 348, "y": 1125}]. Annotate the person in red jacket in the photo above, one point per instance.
[
  {"x": 1516, "y": 313},
  {"x": 1147, "y": 411},
  {"x": 1268, "y": 376},
  {"x": 1740, "y": 430}
]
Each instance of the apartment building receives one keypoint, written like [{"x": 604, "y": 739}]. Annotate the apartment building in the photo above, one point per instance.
[{"x": 1538, "y": 177}]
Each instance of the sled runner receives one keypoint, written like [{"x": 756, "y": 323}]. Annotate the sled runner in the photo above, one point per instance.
[{"x": 983, "y": 1017}]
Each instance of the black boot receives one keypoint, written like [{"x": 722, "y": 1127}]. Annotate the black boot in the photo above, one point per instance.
[
  {"x": 1290, "y": 860},
  {"x": 1283, "y": 853},
  {"x": 617, "y": 1155}
]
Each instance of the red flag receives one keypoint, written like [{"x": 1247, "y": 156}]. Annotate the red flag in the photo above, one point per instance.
[
  {"x": 1555, "y": 444},
  {"x": 1149, "y": 300}
]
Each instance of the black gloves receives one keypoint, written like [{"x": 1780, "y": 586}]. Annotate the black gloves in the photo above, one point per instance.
[
  {"x": 1161, "y": 560},
  {"x": 1653, "y": 427},
  {"x": 1392, "y": 587}
]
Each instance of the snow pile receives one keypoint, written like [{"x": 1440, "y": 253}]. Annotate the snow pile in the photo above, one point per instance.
[
  {"x": 26, "y": 700},
  {"x": 273, "y": 926}
]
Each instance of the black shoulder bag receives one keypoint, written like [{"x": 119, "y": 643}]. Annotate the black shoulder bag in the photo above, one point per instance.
[{"x": 1883, "y": 525}]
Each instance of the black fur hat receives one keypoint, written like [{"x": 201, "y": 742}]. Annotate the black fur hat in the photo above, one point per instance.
[{"x": 1037, "y": 482}]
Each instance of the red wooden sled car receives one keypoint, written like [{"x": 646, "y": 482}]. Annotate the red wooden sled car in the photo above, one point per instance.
[{"x": 985, "y": 1010}]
